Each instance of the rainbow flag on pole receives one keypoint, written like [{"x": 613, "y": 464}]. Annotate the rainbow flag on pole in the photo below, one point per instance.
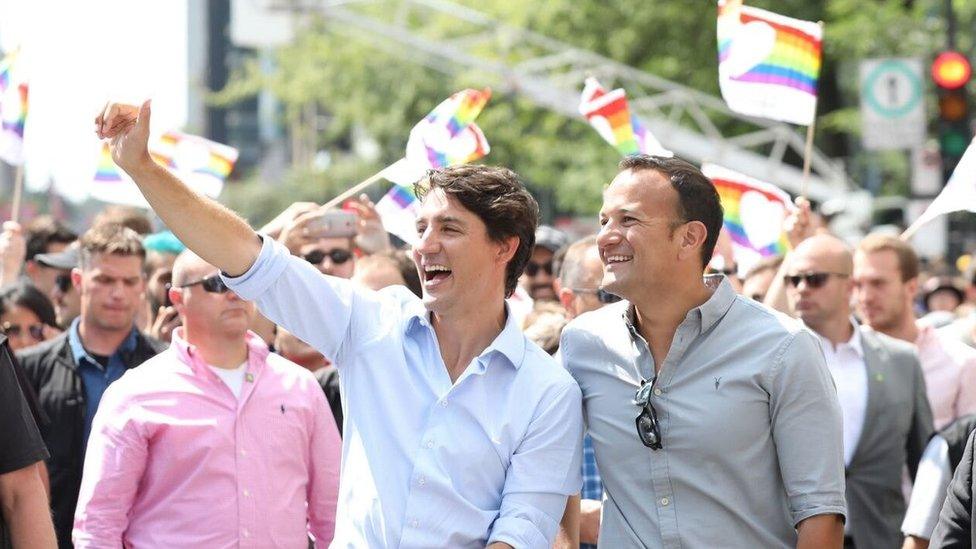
[
  {"x": 446, "y": 137},
  {"x": 13, "y": 109},
  {"x": 754, "y": 213},
  {"x": 610, "y": 116},
  {"x": 768, "y": 64},
  {"x": 398, "y": 212}
]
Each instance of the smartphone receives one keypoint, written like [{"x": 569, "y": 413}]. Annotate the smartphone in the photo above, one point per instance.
[{"x": 333, "y": 224}]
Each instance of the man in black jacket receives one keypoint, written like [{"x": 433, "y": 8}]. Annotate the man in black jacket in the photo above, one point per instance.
[{"x": 70, "y": 372}]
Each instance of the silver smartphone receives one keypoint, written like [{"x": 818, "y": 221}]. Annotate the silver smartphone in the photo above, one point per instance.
[{"x": 333, "y": 224}]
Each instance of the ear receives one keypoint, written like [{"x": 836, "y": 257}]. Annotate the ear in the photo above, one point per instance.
[
  {"x": 692, "y": 237},
  {"x": 507, "y": 249},
  {"x": 911, "y": 288},
  {"x": 176, "y": 297},
  {"x": 76, "y": 277},
  {"x": 566, "y": 298}
]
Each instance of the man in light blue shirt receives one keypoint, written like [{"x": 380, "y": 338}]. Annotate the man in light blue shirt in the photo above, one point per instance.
[{"x": 458, "y": 431}]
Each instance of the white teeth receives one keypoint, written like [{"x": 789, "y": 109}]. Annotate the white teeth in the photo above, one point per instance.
[
  {"x": 618, "y": 258},
  {"x": 433, "y": 268}
]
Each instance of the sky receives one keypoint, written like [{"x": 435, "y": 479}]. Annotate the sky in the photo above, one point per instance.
[{"x": 84, "y": 55}]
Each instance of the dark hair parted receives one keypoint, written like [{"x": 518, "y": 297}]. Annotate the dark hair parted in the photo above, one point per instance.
[
  {"x": 499, "y": 199},
  {"x": 24, "y": 294},
  {"x": 697, "y": 198}
]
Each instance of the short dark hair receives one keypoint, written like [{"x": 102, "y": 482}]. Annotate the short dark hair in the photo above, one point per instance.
[
  {"x": 24, "y": 294},
  {"x": 112, "y": 239},
  {"x": 499, "y": 199},
  {"x": 697, "y": 198},
  {"x": 127, "y": 216},
  {"x": 44, "y": 231}
]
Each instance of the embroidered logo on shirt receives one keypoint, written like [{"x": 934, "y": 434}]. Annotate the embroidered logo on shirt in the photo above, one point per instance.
[
  {"x": 282, "y": 408},
  {"x": 718, "y": 381},
  {"x": 249, "y": 377}
]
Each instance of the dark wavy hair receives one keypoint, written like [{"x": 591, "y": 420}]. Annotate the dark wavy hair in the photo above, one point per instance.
[
  {"x": 24, "y": 294},
  {"x": 498, "y": 197}
]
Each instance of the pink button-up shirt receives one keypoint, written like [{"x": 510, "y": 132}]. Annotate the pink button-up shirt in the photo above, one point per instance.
[
  {"x": 950, "y": 375},
  {"x": 176, "y": 460}
]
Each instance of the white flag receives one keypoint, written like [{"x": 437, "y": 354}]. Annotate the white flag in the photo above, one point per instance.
[{"x": 959, "y": 194}]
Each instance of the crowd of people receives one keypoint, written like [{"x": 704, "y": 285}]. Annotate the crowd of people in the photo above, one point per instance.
[{"x": 499, "y": 384}]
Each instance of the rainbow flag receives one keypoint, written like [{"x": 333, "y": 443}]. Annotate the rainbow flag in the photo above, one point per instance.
[
  {"x": 754, "y": 213},
  {"x": 610, "y": 116},
  {"x": 13, "y": 109},
  {"x": 185, "y": 153},
  {"x": 459, "y": 110},
  {"x": 398, "y": 212},
  {"x": 768, "y": 64},
  {"x": 446, "y": 137},
  {"x": 107, "y": 171}
]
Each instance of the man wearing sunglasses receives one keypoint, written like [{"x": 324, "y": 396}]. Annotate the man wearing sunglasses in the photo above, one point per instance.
[
  {"x": 458, "y": 432},
  {"x": 214, "y": 427},
  {"x": 71, "y": 372},
  {"x": 887, "y": 420},
  {"x": 714, "y": 420},
  {"x": 539, "y": 277}
]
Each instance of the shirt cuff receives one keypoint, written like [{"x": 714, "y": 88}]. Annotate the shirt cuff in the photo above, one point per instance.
[
  {"x": 810, "y": 507},
  {"x": 271, "y": 262},
  {"x": 517, "y": 532}
]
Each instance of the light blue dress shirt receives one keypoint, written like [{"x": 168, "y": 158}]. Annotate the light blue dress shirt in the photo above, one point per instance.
[{"x": 426, "y": 463}]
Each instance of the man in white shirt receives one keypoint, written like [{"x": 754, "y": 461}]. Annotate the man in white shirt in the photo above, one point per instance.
[{"x": 887, "y": 419}]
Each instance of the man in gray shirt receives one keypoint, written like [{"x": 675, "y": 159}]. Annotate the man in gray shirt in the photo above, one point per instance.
[{"x": 714, "y": 419}]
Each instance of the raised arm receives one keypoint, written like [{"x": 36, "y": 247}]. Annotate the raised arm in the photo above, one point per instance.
[{"x": 212, "y": 231}]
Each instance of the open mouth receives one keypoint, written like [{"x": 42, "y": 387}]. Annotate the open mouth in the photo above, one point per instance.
[
  {"x": 614, "y": 259},
  {"x": 435, "y": 274}
]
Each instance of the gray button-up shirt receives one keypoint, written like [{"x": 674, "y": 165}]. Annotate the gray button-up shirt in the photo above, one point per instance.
[{"x": 750, "y": 423}]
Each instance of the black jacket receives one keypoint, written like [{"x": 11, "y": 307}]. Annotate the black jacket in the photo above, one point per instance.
[
  {"x": 52, "y": 372},
  {"x": 956, "y": 521}
]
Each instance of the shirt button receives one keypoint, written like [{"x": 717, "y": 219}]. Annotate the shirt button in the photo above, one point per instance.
[
  {"x": 422, "y": 480},
  {"x": 658, "y": 392},
  {"x": 243, "y": 453},
  {"x": 415, "y": 523},
  {"x": 247, "y": 493},
  {"x": 247, "y": 533},
  {"x": 444, "y": 403},
  {"x": 429, "y": 444},
  {"x": 665, "y": 501}
]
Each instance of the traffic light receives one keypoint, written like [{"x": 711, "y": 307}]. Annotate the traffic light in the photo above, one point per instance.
[{"x": 951, "y": 72}]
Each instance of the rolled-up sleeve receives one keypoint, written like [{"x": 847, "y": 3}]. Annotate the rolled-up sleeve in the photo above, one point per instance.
[
  {"x": 544, "y": 472},
  {"x": 114, "y": 464},
  {"x": 808, "y": 429},
  {"x": 294, "y": 294},
  {"x": 324, "y": 456}
]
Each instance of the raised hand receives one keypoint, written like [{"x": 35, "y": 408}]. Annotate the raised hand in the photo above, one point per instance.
[
  {"x": 798, "y": 225},
  {"x": 13, "y": 250},
  {"x": 371, "y": 237},
  {"x": 128, "y": 128}
]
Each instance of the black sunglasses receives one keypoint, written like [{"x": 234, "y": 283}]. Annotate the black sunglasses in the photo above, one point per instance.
[
  {"x": 532, "y": 269},
  {"x": 63, "y": 282},
  {"x": 212, "y": 284},
  {"x": 813, "y": 280},
  {"x": 648, "y": 428},
  {"x": 14, "y": 330},
  {"x": 337, "y": 255},
  {"x": 602, "y": 295}
]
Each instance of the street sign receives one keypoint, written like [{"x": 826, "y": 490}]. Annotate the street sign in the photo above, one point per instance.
[{"x": 892, "y": 106}]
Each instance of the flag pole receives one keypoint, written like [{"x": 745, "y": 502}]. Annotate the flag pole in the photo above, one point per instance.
[
  {"x": 352, "y": 191},
  {"x": 808, "y": 149},
  {"x": 18, "y": 191}
]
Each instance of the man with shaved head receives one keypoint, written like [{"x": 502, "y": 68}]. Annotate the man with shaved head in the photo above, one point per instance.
[
  {"x": 887, "y": 420},
  {"x": 216, "y": 427}
]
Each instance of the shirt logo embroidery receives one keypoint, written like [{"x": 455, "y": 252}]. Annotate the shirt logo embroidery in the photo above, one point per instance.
[
  {"x": 282, "y": 408},
  {"x": 718, "y": 381}
]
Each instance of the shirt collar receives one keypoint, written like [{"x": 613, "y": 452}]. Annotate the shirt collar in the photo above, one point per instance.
[
  {"x": 854, "y": 342},
  {"x": 78, "y": 348},
  {"x": 510, "y": 342},
  {"x": 708, "y": 313},
  {"x": 257, "y": 352}
]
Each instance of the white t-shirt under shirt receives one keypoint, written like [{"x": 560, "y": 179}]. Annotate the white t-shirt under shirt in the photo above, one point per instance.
[{"x": 233, "y": 378}]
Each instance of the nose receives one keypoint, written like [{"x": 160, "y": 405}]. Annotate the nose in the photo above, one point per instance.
[
  {"x": 608, "y": 235},
  {"x": 427, "y": 243}
]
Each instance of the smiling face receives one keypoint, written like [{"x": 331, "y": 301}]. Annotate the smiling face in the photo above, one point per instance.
[
  {"x": 638, "y": 240},
  {"x": 460, "y": 267}
]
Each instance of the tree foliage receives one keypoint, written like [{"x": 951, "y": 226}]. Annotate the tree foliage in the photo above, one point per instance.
[{"x": 351, "y": 81}]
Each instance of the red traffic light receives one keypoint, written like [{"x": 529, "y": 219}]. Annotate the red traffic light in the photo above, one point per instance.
[{"x": 951, "y": 70}]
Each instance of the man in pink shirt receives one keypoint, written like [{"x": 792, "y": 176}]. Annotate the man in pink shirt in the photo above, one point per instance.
[
  {"x": 886, "y": 280},
  {"x": 212, "y": 443}
]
